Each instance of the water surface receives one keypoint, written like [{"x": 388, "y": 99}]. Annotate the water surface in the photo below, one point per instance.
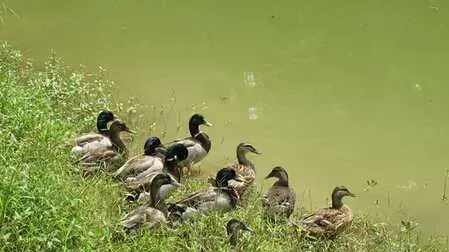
[{"x": 336, "y": 92}]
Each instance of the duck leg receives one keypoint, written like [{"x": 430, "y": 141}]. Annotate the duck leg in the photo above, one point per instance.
[{"x": 189, "y": 168}]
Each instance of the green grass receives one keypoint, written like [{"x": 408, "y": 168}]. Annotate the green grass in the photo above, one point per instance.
[{"x": 46, "y": 205}]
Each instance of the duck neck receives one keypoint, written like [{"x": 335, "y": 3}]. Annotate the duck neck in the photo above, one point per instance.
[
  {"x": 336, "y": 201},
  {"x": 175, "y": 170},
  {"x": 150, "y": 152},
  {"x": 243, "y": 160},
  {"x": 233, "y": 236},
  {"x": 117, "y": 142},
  {"x": 104, "y": 132},
  {"x": 194, "y": 128},
  {"x": 155, "y": 197}
]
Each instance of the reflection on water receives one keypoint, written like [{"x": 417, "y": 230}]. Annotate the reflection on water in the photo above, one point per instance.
[
  {"x": 250, "y": 79},
  {"x": 252, "y": 113},
  {"x": 337, "y": 92}
]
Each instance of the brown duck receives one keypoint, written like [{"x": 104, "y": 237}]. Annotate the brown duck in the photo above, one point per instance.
[
  {"x": 329, "y": 222},
  {"x": 279, "y": 200}
]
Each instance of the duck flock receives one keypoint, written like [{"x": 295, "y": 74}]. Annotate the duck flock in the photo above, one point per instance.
[{"x": 150, "y": 178}]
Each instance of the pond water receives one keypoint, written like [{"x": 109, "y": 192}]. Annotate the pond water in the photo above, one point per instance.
[{"x": 336, "y": 92}]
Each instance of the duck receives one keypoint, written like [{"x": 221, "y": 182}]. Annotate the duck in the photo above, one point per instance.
[
  {"x": 244, "y": 167},
  {"x": 222, "y": 197},
  {"x": 140, "y": 184},
  {"x": 110, "y": 156},
  {"x": 233, "y": 226},
  {"x": 329, "y": 222},
  {"x": 198, "y": 144},
  {"x": 92, "y": 141},
  {"x": 153, "y": 214},
  {"x": 148, "y": 161},
  {"x": 279, "y": 200}
]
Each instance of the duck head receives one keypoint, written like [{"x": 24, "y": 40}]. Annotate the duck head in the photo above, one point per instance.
[
  {"x": 246, "y": 147},
  {"x": 173, "y": 156},
  {"x": 158, "y": 181},
  {"x": 176, "y": 153},
  {"x": 151, "y": 144},
  {"x": 198, "y": 119},
  {"x": 281, "y": 174},
  {"x": 103, "y": 118},
  {"x": 226, "y": 174},
  {"x": 232, "y": 228},
  {"x": 194, "y": 124},
  {"x": 116, "y": 126},
  {"x": 337, "y": 194}
]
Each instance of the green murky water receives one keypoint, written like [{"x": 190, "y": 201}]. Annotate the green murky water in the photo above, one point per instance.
[{"x": 336, "y": 92}]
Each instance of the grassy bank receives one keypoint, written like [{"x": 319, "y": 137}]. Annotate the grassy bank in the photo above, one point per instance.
[{"x": 46, "y": 205}]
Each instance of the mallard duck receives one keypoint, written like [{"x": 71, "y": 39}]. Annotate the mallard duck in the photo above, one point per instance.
[
  {"x": 222, "y": 197},
  {"x": 232, "y": 228},
  {"x": 198, "y": 144},
  {"x": 111, "y": 156},
  {"x": 147, "y": 161},
  {"x": 141, "y": 183},
  {"x": 329, "y": 222},
  {"x": 153, "y": 214},
  {"x": 243, "y": 167},
  {"x": 279, "y": 200},
  {"x": 92, "y": 141}
]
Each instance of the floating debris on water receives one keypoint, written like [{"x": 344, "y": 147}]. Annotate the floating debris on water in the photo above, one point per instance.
[
  {"x": 252, "y": 113},
  {"x": 417, "y": 87},
  {"x": 225, "y": 98},
  {"x": 250, "y": 79},
  {"x": 370, "y": 184},
  {"x": 409, "y": 186}
]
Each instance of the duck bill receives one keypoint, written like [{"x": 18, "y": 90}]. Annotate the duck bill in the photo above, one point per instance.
[
  {"x": 257, "y": 152},
  {"x": 177, "y": 184},
  {"x": 351, "y": 194},
  {"x": 131, "y": 131},
  {"x": 271, "y": 175},
  {"x": 208, "y": 123},
  {"x": 161, "y": 149},
  {"x": 247, "y": 228}
]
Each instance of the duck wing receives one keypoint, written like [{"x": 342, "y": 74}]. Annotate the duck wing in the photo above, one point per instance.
[
  {"x": 138, "y": 165},
  {"x": 142, "y": 181},
  {"x": 200, "y": 197},
  {"x": 86, "y": 138},
  {"x": 327, "y": 222},
  {"x": 92, "y": 144},
  {"x": 187, "y": 142},
  {"x": 143, "y": 216}
]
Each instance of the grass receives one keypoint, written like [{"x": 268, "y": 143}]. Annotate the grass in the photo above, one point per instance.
[{"x": 46, "y": 205}]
